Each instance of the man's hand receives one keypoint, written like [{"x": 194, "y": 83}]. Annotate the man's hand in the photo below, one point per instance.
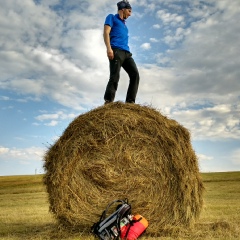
[{"x": 110, "y": 54}]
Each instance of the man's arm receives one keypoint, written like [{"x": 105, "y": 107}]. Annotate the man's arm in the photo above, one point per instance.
[{"x": 106, "y": 37}]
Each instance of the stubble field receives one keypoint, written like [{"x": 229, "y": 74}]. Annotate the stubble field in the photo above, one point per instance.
[{"x": 24, "y": 211}]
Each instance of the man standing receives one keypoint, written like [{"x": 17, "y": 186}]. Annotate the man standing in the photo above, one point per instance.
[{"x": 115, "y": 36}]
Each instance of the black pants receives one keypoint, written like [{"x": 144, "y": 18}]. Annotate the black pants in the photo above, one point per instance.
[{"x": 122, "y": 59}]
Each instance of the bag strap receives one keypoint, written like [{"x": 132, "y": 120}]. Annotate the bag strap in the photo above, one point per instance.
[
  {"x": 109, "y": 205},
  {"x": 125, "y": 208}
]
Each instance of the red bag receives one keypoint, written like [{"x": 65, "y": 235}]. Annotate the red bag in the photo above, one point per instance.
[{"x": 134, "y": 229}]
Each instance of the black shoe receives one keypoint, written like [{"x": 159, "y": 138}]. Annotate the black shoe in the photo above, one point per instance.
[{"x": 107, "y": 102}]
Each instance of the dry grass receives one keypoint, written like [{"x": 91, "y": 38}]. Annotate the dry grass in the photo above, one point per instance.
[
  {"x": 24, "y": 211},
  {"x": 120, "y": 151}
]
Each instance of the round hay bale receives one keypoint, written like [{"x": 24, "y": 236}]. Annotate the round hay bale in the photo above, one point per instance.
[{"x": 120, "y": 151}]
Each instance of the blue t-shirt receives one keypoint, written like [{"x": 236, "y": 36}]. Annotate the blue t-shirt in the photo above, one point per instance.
[{"x": 118, "y": 33}]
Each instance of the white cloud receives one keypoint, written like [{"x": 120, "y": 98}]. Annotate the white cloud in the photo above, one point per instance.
[
  {"x": 154, "y": 40},
  {"x": 49, "y": 116},
  {"x": 52, "y": 123},
  {"x": 156, "y": 26},
  {"x": 162, "y": 58},
  {"x": 146, "y": 46},
  {"x": 54, "y": 118},
  {"x": 172, "y": 19},
  {"x": 203, "y": 157},
  {"x": 49, "y": 58},
  {"x": 4, "y": 98},
  {"x": 3, "y": 150},
  {"x": 209, "y": 56},
  {"x": 22, "y": 154},
  {"x": 210, "y": 122}
]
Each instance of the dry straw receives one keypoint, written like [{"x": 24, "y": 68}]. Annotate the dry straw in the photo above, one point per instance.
[{"x": 120, "y": 151}]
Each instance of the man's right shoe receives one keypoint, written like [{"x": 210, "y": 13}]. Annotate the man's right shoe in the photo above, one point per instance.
[{"x": 106, "y": 102}]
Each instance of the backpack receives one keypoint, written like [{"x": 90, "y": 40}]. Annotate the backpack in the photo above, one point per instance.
[
  {"x": 109, "y": 228},
  {"x": 120, "y": 224}
]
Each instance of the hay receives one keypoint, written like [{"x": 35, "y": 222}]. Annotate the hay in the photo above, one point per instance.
[{"x": 119, "y": 151}]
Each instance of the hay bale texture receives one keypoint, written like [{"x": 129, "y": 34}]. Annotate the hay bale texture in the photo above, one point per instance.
[{"x": 119, "y": 151}]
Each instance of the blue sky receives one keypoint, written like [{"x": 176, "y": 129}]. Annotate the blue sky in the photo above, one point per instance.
[{"x": 54, "y": 66}]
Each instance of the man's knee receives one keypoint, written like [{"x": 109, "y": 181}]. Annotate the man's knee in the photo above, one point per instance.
[{"x": 135, "y": 76}]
